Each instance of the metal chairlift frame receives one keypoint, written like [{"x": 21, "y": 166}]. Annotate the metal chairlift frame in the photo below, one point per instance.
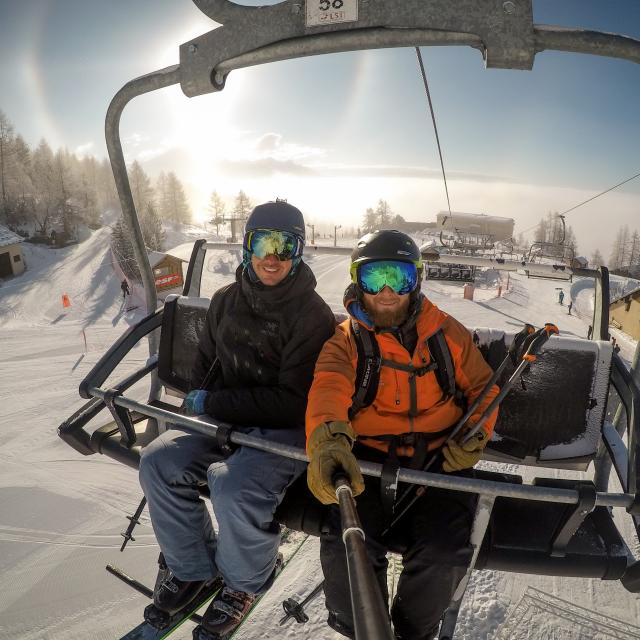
[{"x": 502, "y": 31}]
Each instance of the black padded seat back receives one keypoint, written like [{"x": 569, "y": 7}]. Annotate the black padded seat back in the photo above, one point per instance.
[
  {"x": 554, "y": 417},
  {"x": 182, "y": 323}
]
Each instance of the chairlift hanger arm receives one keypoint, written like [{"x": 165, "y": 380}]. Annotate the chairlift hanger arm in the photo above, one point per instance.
[{"x": 503, "y": 31}]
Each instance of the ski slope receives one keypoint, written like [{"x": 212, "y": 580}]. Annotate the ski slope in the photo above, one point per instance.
[{"x": 61, "y": 514}]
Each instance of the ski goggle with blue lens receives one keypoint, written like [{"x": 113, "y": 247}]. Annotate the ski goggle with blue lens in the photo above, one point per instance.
[
  {"x": 372, "y": 277},
  {"x": 271, "y": 242}
]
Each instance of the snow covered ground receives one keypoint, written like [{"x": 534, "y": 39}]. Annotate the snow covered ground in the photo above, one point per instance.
[{"x": 61, "y": 514}]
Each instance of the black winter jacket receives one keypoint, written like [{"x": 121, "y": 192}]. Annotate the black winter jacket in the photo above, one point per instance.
[{"x": 266, "y": 341}]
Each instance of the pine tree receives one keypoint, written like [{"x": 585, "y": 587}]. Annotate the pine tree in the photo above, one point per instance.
[
  {"x": 596, "y": 259},
  {"x": 45, "y": 187},
  {"x": 123, "y": 249},
  {"x": 571, "y": 244},
  {"x": 383, "y": 214},
  {"x": 241, "y": 210},
  {"x": 152, "y": 230},
  {"x": 216, "y": 208},
  {"x": 87, "y": 195},
  {"x": 618, "y": 258},
  {"x": 106, "y": 187},
  {"x": 177, "y": 208},
  {"x": 6, "y": 151},
  {"x": 541, "y": 231},
  {"x": 66, "y": 209},
  {"x": 369, "y": 222},
  {"x": 141, "y": 188},
  {"x": 242, "y": 206},
  {"x": 633, "y": 249}
]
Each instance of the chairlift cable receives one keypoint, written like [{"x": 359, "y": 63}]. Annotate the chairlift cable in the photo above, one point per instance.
[
  {"x": 589, "y": 199},
  {"x": 601, "y": 193},
  {"x": 435, "y": 126}
]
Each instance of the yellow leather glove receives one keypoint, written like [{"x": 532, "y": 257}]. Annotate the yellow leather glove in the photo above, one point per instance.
[
  {"x": 329, "y": 448},
  {"x": 464, "y": 456}
]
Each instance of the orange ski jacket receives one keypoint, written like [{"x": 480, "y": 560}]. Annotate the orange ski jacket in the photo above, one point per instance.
[{"x": 334, "y": 380}]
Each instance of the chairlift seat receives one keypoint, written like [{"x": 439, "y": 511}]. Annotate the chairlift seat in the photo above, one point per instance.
[
  {"x": 521, "y": 533},
  {"x": 555, "y": 417}
]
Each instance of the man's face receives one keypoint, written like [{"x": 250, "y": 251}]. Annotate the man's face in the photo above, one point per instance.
[
  {"x": 270, "y": 270},
  {"x": 387, "y": 308}
]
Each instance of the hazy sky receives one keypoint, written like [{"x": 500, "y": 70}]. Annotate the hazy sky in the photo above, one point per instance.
[{"x": 336, "y": 133}]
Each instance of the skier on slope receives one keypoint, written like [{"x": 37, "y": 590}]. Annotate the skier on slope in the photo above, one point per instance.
[
  {"x": 396, "y": 422},
  {"x": 254, "y": 368},
  {"x": 124, "y": 287}
]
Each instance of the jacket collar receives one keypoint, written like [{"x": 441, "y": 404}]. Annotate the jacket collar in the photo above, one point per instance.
[
  {"x": 260, "y": 296},
  {"x": 423, "y": 314}
]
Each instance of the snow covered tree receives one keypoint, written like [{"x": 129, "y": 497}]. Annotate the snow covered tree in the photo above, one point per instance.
[
  {"x": 370, "y": 221},
  {"x": 6, "y": 151},
  {"x": 107, "y": 195},
  {"x": 556, "y": 229},
  {"x": 64, "y": 184},
  {"x": 634, "y": 249},
  {"x": 141, "y": 188},
  {"x": 596, "y": 259},
  {"x": 173, "y": 200},
  {"x": 242, "y": 206},
  {"x": 122, "y": 248},
  {"x": 383, "y": 214},
  {"x": 87, "y": 192},
  {"x": 216, "y": 208},
  {"x": 541, "y": 231},
  {"x": 397, "y": 221},
  {"x": 45, "y": 184},
  {"x": 619, "y": 252},
  {"x": 571, "y": 244},
  {"x": 152, "y": 230}
]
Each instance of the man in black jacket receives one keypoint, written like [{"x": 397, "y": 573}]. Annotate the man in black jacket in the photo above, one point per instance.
[{"x": 254, "y": 368}]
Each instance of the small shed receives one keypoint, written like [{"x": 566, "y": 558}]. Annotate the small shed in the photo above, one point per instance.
[
  {"x": 167, "y": 271},
  {"x": 11, "y": 257},
  {"x": 624, "y": 313}
]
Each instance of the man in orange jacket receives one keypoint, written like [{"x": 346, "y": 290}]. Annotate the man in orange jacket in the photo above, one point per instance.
[{"x": 395, "y": 412}]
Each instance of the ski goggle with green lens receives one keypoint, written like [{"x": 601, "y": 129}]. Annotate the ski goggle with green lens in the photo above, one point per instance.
[
  {"x": 271, "y": 242},
  {"x": 372, "y": 277}
]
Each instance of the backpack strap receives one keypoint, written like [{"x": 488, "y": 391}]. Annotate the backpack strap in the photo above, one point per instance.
[
  {"x": 445, "y": 370},
  {"x": 369, "y": 363},
  {"x": 368, "y": 370}
]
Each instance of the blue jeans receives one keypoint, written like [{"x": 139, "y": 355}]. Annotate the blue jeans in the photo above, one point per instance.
[{"x": 246, "y": 488}]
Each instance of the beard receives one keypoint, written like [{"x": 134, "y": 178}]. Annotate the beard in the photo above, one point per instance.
[{"x": 387, "y": 318}]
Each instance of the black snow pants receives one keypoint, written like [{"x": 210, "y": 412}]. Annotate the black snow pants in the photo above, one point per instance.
[{"x": 433, "y": 539}]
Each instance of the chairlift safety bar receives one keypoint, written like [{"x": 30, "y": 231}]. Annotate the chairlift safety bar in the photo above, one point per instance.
[{"x": 454, "y": 483}]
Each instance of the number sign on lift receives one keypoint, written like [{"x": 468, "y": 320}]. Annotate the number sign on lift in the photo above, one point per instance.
[{"x": 321, "y": 12}]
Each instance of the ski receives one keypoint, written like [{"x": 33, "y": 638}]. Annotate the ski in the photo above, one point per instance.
[
  {"x": 147, "y": 631},
  {"x": 202, "y": 634}
]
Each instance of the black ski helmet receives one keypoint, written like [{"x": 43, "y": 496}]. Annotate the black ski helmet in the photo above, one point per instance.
[
  {"x": 278, "y": 215},
  {"x": 386, "y": 244}
]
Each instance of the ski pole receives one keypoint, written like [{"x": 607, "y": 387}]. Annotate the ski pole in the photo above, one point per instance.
[
  {"x": 134, "y": 520},
  {"x": 513, "y": 355},
  {"x": 370, "y": 617},
  {"x": 532, "y": 344},
  {"x": 295, "y": 609}
]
